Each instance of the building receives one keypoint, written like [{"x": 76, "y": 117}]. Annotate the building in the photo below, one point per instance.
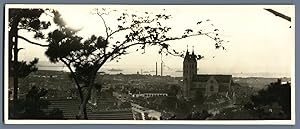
[
  {"x": 142, "y": 113},
  {"x": 70, "y": 108},
  {"x": 205, "y": 84},
  {"x": 148, "y": 95}
]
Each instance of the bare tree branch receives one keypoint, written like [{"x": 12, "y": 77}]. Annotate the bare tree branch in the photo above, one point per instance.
[
  {"x": 279, "y": 14},
  {"x": 116, "y": 31},
  {"x": 106, "y": 27}
]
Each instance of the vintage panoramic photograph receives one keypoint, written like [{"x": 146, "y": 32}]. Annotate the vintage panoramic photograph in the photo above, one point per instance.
[{"x": 177, "y": 64}]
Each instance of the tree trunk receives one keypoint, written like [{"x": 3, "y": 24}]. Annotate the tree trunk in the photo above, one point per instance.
[
  {"x": 82, "y": 110},
  {"x": 87, "y": 96},
  {"x": 10, "y": 49},
  {"x": 14, "y": 41},
  {"x": 82, "y": 106}
]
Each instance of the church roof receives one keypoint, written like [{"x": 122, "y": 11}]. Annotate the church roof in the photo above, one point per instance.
[{"x": 218, "y": 77}]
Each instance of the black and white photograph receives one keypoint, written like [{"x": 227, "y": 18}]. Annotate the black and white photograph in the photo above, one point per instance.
[{"x": 149, "y": 64}]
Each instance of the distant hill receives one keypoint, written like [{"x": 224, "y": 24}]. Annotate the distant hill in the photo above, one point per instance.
[{"x": 257, "y": 82}]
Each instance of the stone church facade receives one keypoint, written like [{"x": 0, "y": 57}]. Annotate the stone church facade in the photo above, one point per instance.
[{"x": 205, "y": 84}]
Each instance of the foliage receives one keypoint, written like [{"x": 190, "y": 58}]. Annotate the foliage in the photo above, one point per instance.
[
  {"x": 199, "y": 98},
  {"x": 28, "y": 19},
  {"x": 98, "y": 86},
  {"x": 274, "y": 102},
  {"x": 169, "y": 103},
  {"x": 125, "y": 105},
  {"x": 33, "y": 103},
  {"x": 32, "y": 107},
  {"x": 135, "y": 90},
  {"x": 174, "y": 90},
  {"x": 235, "y": 113},
  {"x": 23, "y": 19},
  {"x": 24, "y": 68},
  {"x": 199, "y": 115}
]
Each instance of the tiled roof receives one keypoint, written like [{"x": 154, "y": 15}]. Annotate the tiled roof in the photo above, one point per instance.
[{"x": 70, "y": 108}]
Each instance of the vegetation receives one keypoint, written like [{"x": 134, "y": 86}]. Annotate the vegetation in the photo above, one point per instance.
[
  {"x": 270, "y": 103},
  {"x": 199, "y": 98},
  {"x": 32, "y": 107},
  {"x": 199, "y": 115},
  {"x": 23, "y": 19},
  {"x": 274, "y": 102}
]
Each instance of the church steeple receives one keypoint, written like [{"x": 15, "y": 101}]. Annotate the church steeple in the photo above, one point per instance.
[
  {"x": 187, "y": 54},
  {"x": 189, "y": 70},
  {"x": 187, "y": 50},
  {"x": 193, "y": 56},
  {"x": 193, "y": 51}
]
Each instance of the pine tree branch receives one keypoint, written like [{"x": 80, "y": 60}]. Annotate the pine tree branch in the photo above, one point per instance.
[{"x": 42, "y": 45}]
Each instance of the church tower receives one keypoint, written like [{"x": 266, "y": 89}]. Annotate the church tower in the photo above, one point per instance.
[{"x": 189, "y": 70}]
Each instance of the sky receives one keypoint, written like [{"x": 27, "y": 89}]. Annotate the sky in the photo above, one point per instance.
[{"x": 259, "y": 41}]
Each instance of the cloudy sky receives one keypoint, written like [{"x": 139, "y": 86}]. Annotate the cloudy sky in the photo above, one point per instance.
[{"x": 259, "y": 42}]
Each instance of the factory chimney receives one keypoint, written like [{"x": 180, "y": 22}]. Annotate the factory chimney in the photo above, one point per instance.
[
  {"x": 161, "y": 69},
  {"x": 156, "y": 69}
]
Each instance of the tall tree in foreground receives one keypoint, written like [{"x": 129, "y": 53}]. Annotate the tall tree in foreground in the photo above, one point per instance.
[
  {"x": 85, "y": 58},
  {"x": 274, "y": 102},
  {"x": 23, "y": 19}
]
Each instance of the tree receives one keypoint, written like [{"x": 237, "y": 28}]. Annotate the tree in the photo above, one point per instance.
[
  {"x": 274, "y": 102},
  {"x": 85, "y": 58},
  {"x": 199, "y": 98},
  {"x": 197, "y": 115},
  {"x": 31, "y": 107},
  {"x": 173, "y": 90},
  {"x": 23, "y": 19},
  {"x": 169, "y": 103},
  {"x": 33, "y": 103}
]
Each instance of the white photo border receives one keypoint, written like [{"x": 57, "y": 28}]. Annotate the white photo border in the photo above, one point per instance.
[{"x": 126, "y": 122}]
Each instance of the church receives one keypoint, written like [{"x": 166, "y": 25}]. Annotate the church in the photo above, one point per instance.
[{"x": 205, "y": 84}]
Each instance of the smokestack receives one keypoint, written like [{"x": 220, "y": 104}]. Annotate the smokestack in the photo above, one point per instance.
[
  {"x": 156, "y": 69},
  {"x": 161, "y": 65},
  {"x": 161, "y": 69}
]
